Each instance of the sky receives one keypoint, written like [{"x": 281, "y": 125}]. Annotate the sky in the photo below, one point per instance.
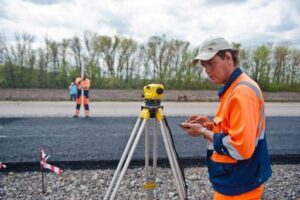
[{"x": 249, "y": 22}]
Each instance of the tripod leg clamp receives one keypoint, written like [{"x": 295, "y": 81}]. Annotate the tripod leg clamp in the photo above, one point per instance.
[
  {"x": 145, "y": 114},
  {"x": 159, "y": 115},
  {"x": 150, "y": 185}
]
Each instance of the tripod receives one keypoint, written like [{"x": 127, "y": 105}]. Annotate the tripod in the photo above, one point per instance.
[{"x": 151, "y": 109}]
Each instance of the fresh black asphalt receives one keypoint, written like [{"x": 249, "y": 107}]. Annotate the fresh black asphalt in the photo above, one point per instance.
[{"x": 103, "y": 139}]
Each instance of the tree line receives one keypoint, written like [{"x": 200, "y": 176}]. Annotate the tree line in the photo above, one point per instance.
[{"x": 116, "y": 62}]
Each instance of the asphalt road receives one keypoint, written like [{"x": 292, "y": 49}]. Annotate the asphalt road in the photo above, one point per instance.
[{"x": 104, "y": 138}]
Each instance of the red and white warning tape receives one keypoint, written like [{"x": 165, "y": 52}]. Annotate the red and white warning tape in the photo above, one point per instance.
[
  {"x": 51, "y": 167},
  {"x": 45, "y": 165},
  {"x": 2, "y": 165}
]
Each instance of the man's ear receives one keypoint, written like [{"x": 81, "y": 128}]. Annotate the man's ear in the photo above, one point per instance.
[{"x": 228, "y": 57}]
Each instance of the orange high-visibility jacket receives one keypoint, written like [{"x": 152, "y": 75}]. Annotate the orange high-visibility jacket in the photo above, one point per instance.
[
  {"x": 238, "y": 160},
  {"x": 86, "y": 84}
]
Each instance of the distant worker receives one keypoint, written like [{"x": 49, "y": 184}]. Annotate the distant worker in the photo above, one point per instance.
[
  {"x": 84, "y": 84},
  {"x": 72, "y": 91}
]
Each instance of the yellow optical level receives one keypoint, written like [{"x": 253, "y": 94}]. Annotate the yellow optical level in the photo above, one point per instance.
[{"x": 153, "y": 91}]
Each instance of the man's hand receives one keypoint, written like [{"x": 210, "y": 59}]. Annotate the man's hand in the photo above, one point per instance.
[
  {"x": 202, "y": 120},
  {"x": 193, "y": 129}
]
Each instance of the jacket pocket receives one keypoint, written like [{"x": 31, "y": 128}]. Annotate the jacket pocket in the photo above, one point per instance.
[{"x": 216, "y": 169}]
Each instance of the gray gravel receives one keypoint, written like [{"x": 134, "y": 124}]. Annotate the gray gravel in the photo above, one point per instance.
[{"x": 92, "y": 184}]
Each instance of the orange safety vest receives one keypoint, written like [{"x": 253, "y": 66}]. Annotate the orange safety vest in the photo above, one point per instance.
[
  {"x": 238, "y": 158},
  {"x": 239, "y": 118},
  {"x": 86, "y": 84}
]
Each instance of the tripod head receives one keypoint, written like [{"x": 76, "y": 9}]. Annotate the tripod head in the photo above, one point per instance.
[{"x": 153, "y": 94}]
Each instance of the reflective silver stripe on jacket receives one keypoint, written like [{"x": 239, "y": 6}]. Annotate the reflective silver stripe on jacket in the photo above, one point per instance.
[{"x": 261, "y": 133}]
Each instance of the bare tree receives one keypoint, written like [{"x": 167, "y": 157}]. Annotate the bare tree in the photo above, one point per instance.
[
  {"x": 76, "y": 48},
  {"x": 63, "y": 64},
  {"x": 22, "y": 49},
  {"x": 4, "y": 50},
  {"x": 143, "y": 59},
  {"x": 158, "y": 49},
  {"x": 127, "y": 49},
  {"x": 295, "y": 66},
  {"x": 107, "y": 47},
  {"x": 281, "y": 53},
  {"x": 180, "y": 62},
  {"x": 91, "y": 60},
  {"x": 53, "y": 50},
  {"x": 246, "y": 60},
  {"x": 42, "y": 68},
  {"x": 261, "y": 70}
]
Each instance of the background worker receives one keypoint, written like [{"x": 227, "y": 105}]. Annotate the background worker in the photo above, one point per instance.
[
  {"x": 237, "y": 156},
  {"x": 72, "y": 91},
  {"x": 83, "y": 84}
]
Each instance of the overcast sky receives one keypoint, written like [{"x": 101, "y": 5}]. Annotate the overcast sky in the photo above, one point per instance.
[{"x": 250, "y": 22}]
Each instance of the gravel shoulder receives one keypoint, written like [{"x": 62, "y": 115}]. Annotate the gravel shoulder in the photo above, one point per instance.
[{"x": 92, "y": 184}]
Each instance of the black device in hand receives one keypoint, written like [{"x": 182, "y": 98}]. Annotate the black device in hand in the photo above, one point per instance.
[{"x": 181, "y": 125}]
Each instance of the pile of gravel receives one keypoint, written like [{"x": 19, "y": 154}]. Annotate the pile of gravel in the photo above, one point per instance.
[{"x": 92, "y": 184}]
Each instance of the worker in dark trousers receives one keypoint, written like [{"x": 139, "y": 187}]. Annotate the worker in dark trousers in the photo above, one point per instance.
[{"x": 83, "y": 84}]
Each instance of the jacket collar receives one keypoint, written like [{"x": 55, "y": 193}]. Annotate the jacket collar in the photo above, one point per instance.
[{"x": 235, "y": 74}]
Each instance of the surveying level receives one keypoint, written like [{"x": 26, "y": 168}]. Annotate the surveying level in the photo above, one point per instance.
[
  {"x": 151, "y": 109},
  {"x": 153, "y": 92}
]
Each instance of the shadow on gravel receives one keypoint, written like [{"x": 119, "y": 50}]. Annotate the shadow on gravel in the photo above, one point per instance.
[
  {"x": 164, "y": 163},
  {"x": 4, "y": 121}
]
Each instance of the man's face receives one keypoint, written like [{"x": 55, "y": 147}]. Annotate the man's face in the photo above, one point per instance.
[{"x": 217, "y": 69}]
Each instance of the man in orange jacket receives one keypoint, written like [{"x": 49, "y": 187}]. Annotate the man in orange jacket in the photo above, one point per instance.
[
  {"x": 83, "y": 84},
  {"x": 237, "y": 156}
]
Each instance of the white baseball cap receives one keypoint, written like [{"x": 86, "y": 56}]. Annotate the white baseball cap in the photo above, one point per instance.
[{"x": 210, "y": 47}]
